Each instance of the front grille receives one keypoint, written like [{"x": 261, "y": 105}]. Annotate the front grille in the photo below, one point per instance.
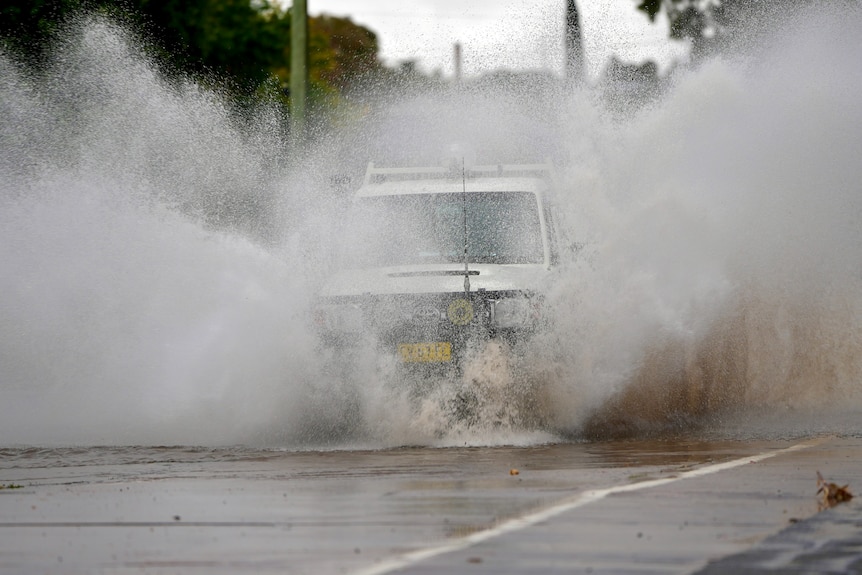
[
  {"x": 455, "y": 317},
  {"x": 427, "y": 317}
]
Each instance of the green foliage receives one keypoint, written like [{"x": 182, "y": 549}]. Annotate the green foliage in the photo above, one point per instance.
[
  {"x": 710, "y": 24},
  {"x": 242, "y": 46},
  {"x": 351, "y": 50},
  {"x": 229, "y": 38},
  {"x": 689, "y": 19},
  {"x": 651, "y": 7},
  {"x": 26, "y": 26}
]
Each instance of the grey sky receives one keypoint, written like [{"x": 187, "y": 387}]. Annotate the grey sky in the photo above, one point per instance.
[{"x": 514, "y": 34}]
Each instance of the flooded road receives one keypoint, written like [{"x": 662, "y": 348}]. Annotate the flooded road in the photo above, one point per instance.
[{"x": 636, "y": 506}]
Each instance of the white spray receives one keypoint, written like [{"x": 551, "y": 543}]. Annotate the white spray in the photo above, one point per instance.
[{"x": 159, "y": 263}]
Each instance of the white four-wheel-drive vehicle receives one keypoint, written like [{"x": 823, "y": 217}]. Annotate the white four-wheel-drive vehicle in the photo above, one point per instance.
[{"x": 438, "y": 260}]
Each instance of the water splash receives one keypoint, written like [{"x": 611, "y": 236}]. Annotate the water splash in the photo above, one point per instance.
[
  {"x": 725, "y": 228},
  {"x": 136, "y": 282},
  {"x": 159, "y": 257}
]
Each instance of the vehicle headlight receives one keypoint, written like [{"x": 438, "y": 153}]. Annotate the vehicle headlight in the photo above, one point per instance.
[
  {"x": 340, "y": 317},
  {"x": 513, "y": 312}
]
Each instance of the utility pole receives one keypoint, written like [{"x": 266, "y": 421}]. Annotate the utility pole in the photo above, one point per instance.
[
  {"x": 456, "y": 56},
  {"x": 298, "y": 70},
  {"x": 574, "y": 45}
]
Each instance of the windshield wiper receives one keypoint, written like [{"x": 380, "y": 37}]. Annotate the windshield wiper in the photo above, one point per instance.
[{"x": 434, "y": 273}]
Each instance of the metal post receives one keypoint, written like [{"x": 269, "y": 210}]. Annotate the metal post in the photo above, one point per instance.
[
  {"x": 574, "y": 45},
  {"x": 298, "y": 69}
]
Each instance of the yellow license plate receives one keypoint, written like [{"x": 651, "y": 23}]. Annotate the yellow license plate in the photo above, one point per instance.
[{"x": 425, "y": 352}]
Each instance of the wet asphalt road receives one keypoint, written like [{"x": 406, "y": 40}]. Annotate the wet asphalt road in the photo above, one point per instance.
[{"x": 673, "y": 506}]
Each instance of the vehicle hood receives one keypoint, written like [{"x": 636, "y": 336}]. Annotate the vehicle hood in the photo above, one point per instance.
[{"x": 434, "y": 279}]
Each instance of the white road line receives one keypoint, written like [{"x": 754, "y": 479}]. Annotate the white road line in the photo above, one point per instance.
[{"x": 579, "y": 500}]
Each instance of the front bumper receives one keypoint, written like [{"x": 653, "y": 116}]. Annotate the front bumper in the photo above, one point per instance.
[{"x": 428, "y": 328}]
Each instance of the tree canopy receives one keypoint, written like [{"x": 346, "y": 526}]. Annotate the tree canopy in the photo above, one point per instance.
[
  {"x": 711, "y": 25},
  {"x": 243, "y": 45}
]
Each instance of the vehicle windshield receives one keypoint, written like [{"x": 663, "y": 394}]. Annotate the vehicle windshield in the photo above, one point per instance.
[{"x": 502, "y": 228}]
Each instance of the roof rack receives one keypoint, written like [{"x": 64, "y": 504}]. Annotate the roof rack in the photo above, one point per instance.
[{"x": 377, "y": 175}]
